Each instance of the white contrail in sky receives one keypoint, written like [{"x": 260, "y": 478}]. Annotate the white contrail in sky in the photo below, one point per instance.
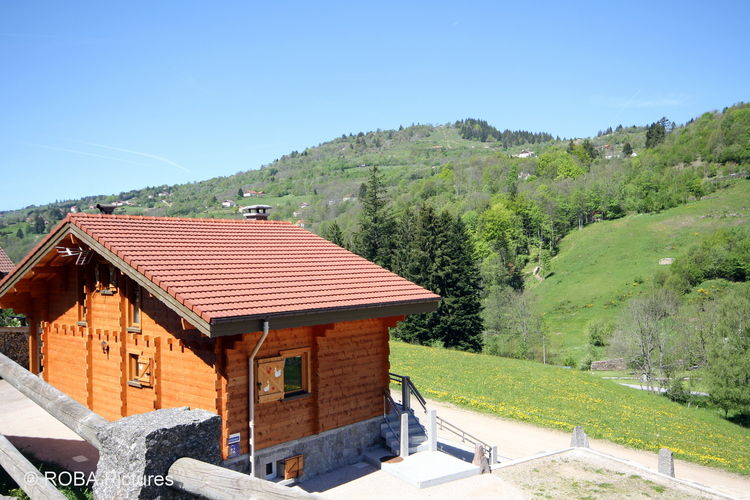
[
  {"x": 85, "y": 153},
  {"x": 138, "y": 153}
]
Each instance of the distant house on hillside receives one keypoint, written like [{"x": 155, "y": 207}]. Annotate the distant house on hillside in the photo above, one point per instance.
[
  {"x": 525, "y": 154},
  {"x": 252, "y": 193},
  {"x": 301, "y": 223},
  {"x": 228, "y": 203},
  {"x": 348, "y": 197}
]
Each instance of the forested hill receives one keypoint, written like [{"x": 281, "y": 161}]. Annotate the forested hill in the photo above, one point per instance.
[
  {"x": 467, "y": 167},
  {"x": 326, "y": 178}
]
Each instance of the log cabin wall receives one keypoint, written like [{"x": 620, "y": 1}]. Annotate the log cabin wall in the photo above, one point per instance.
[
  {"x": 88, "y": 352},
  {"x": 349, "y": 371}
]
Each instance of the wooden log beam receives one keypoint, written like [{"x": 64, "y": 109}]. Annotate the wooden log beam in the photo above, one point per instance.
[
  {"x": 70, "y": 412},
  {"x": 14, "y": 329},
  {"x": 217, "y": 483},
  {"x": 23, "y": 472}
]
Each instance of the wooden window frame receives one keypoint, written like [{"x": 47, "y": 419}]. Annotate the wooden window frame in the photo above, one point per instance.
[
  {"x": 82, "y": 292},
  {"x": 275, "y": 365},
  {"x": 140, "y": 374},
  {"x": 304, "y": 353},
  {"x": 134, "y": 306},
  {"x": 108, "y": 287}
]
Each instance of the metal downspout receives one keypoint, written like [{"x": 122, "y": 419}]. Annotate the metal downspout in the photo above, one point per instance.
[{"x": 251, "y": 396}]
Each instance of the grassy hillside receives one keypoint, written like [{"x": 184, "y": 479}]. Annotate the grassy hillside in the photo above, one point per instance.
[
  {"x": 600, "y": 267},
  {"x": 561, "y": 399}
]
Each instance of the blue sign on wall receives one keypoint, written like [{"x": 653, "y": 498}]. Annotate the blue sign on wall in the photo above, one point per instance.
[{"x": 233, "y": 445}]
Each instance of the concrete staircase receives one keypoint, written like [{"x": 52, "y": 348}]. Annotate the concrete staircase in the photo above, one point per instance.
[{"x": 417, "y": 434}]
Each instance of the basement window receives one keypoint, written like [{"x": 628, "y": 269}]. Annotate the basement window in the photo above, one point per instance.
[{"x": 140, "y": 370}]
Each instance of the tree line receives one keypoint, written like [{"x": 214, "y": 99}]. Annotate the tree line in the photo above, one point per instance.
[{"x": 482, "y": 131}]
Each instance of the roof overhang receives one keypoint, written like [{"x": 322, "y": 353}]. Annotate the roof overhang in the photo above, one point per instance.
[
  {"x": 218, "y": 327},
  {"x": 230, "y": 326}
]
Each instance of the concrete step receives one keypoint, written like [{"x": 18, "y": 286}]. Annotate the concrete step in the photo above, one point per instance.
[
  {"x": 395, "y": 419},
  {"x": 414, "y": 428},
  {"x": 414, "y": 444}
]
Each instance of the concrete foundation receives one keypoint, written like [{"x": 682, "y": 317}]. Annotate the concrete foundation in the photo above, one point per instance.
[{"x": 322, "y": 452}]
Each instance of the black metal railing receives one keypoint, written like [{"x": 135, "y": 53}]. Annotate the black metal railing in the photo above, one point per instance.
[
  {"x": 408, "y": 389},
  {"x": 389, "y": 402}
]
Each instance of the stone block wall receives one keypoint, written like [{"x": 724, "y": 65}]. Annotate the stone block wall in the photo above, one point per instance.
[
  {"x": 609, "y": 364},
  {"x": 16, "y": 347},
  {"x": 322, "y": 452}
]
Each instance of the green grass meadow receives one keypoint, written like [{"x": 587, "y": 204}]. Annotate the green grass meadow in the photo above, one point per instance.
[
  {"x": 561, "y": 399},
  {"x": 602, "y": 266}
]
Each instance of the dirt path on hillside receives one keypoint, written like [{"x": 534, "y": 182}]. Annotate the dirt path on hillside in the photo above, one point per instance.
[{"x": 518, "y": 439}]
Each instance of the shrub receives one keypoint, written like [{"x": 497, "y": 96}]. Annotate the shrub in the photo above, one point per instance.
[
  {"x": 599, "y": 333},
  {"x": 677, "y": 392}
]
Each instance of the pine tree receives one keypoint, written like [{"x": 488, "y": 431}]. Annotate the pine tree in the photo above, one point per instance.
[
  {"x": 39, "y": 224},
  {"x": 19, "y": 234},
  {"x": 434, "y": 251},
  {"x": 333, "y": 233},
  {"x": 656, "y": 133},
  {"x": 374, "y": 240},
  {"x": 457, "y": 275},
  {"x": 627, "y": 149}
]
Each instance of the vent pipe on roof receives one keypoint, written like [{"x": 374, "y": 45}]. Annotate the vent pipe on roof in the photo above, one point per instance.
[
  {"x": 106, "y": 209},
  {"x": 256, "y": 212}
]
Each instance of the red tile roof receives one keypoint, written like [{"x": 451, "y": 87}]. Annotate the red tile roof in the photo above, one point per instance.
[
  {"x": 6, "y": 265},
  {"x": 228, "y": 268}
]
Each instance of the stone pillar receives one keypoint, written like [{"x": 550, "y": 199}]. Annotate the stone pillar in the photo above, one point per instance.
[
  {"x": 579, "y": 438},
  {"x": 666, "y": 462},
  {"x": 404, "y": 446},
  {"x": 136, "y": 452},
  {"x": 432, "y": 434}
]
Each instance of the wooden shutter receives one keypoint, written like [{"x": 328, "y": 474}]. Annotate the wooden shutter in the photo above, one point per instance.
[
  {"x": 270, "y": 379},
  {"x": 294, "y": 466}
]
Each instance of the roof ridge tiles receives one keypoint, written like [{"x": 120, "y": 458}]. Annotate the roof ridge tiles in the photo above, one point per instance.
[{"x": 82, "y": 215}]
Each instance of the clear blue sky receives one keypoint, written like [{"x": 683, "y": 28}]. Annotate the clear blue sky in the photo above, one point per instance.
[{"x": 103, "y": 97}]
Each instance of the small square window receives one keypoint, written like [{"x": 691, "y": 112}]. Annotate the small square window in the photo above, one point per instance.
[
  {"x": 283, "y": 376},
  {"x": 140, "y": 370}
]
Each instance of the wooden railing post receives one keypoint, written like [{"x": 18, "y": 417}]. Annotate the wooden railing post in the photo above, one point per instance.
[{"x": 23, "y": 472}]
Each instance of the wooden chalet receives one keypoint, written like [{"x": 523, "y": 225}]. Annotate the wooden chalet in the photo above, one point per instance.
[{"x": 280, "y": 332}]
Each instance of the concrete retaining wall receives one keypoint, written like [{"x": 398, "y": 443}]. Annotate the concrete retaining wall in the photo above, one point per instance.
[{"x": 322, "y": 452}]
